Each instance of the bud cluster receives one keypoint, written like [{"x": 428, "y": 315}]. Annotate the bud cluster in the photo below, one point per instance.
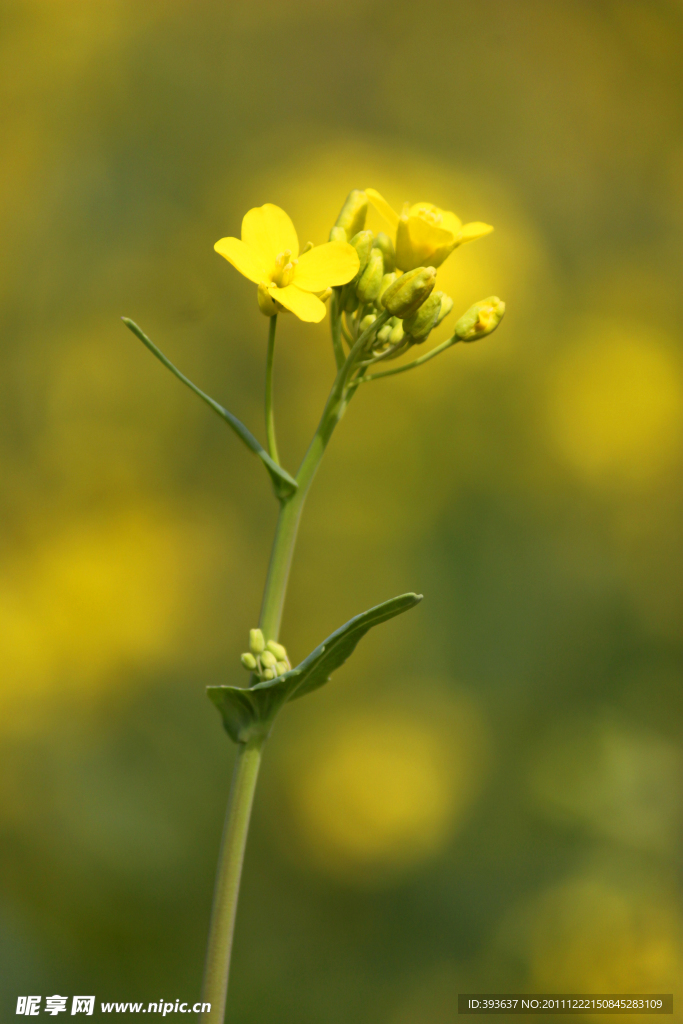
[
  {"x": 415, "y": 308},
  {"x": 267, "y": 659}
]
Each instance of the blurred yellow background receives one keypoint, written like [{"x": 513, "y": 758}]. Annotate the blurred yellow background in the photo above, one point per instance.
[{"x": 487, "y": 796}]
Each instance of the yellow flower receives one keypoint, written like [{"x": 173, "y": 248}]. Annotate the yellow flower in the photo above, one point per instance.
[
  {"x": 268, "y": 255},
  {"x": 425, "y": 235}
]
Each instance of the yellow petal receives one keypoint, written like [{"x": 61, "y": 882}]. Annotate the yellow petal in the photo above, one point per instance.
[
  {"x": 450, "y": 222},
  {"x": 305, "y": 305},
  {"x": 269, "y": 231},
  {"x": 441, "y": 254},
  {"x": 475, "y": 229},
  {"x": 329, "y": 264},
  {"x": 243, "y": 258},
  {"x": 419, "y": 244},
  {"x": 382, "y": 207}
]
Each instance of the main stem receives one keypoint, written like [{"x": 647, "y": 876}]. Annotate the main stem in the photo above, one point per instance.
[
  {"x": 227, "y": 887},
  {"x": 290, "y": 513},
  {"x": 248, "y": 760}
]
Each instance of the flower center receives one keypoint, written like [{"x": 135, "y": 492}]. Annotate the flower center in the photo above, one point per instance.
[
  {"x": 430, "y": 214},
  {"x": 285, "y": 267}
]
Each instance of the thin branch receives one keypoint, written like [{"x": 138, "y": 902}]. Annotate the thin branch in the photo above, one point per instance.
[{"x": 284, "y": 484}]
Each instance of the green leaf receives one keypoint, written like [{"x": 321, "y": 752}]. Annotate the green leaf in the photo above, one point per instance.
[
  {"x": 249, "y": 713},
  {"x": 284, "y": 484},
  {"x": 246, "y": 713}
]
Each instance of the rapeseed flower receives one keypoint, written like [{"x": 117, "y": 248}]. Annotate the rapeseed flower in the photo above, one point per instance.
[
  {"x": 425, "y": 234},
  {"x": 268, "y": 254}
]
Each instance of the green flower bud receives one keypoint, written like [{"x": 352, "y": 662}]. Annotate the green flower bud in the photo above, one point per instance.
[
  {"x": 352, "y": 215},
  {"x": 420, "y": 324},
  {"x": 362, "y": 243},
  {"x": 386, "y": 281},
  {"x": 405, "y": 296},
  {"x": 446, "y": 307},
  {"x": 397, "y": 333},
  {"x": 384, "y": 243},
  {"x": 268, "y": 660},
  {"x": 256, "y": 641},
  {"x": 277, "y": 649},
  {"x": 370, "y": 280},
  {"x": 281, "y": 667},
  {"x": 338, "y": 234},
  {"x": 248, "y": 660},
  {"x": 384, "y": 333},
  {"x": 269, "y": 673},
  {"x": 480, "y": 319},
  {"x": 367, "y": 321}
]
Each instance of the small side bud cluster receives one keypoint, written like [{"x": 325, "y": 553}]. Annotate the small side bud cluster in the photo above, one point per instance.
[{"x": 266, "y": 658}]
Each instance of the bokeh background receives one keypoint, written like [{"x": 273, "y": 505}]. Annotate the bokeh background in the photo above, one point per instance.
[{"x": 485, "y": 798}]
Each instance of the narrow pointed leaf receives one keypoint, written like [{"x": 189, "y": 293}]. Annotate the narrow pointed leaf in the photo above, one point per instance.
[
  {"x": 284, "y": 484},
  {"x": 247, "y": 713},
  {"x": 316, "y": 669}
]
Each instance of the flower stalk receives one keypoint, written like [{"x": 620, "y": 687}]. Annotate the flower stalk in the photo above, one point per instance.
[{"x": 270, "y": 416}]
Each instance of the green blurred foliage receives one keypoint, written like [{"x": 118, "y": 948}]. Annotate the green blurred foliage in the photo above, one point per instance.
[{"x": 485, "y": 797}]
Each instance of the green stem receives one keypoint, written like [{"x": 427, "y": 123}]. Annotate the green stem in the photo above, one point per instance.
[
  {"x": 416, "y": 362},
  {"x": 270, "y": 418},
  {"x": 336, "y": 327},
  {"x": 249, "y": 756},
  {"x": 228, "y": 879},
  {"x": 290, "y": 513}
]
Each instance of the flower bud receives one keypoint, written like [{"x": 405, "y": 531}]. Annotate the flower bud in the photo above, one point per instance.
[
  {"x": 446, "y": 307},
  {"x": 277, "y": 649},
  {"x": 384, "y": 333},
  {"x": 352, "y": 215},
  {"x": 362, "y": 243},
  {"x": 256, "y": 641},
  {"x": 405, "y": 296},
  {"x": 386, "y": 281},
  {"x": 338, "y": 234},
  {"x": 268, "y": 660},
  {"x": 383, "y": 242},
  {"x": 269, "y": 673},
  {"x": 367, "y": 321},
  {"x": 370, "y": 281},
  {"x": 265, "y": 302},
  {"x": 421, "y": 323},
  {"x": 397, "y": 333},
  {"x": 480, "y": 319},
  {"x": 249, "y": 661},
  {"x": 281, "y": 667}
]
